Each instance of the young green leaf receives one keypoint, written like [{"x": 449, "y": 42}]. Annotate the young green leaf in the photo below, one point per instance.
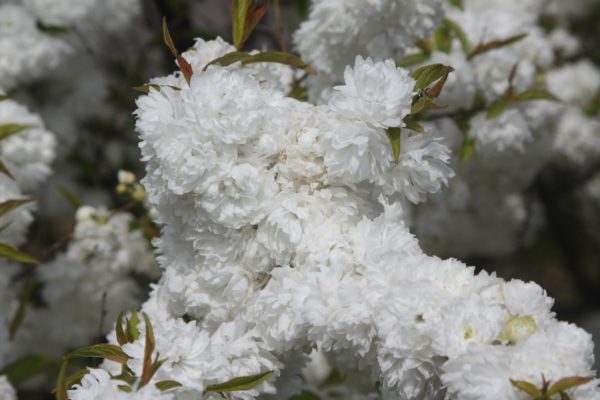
[
  {"x": 240, "y": 384},
  {"x": 121, "y": 337},
  {"x": 535, "y": 94},
  {"x": 413, "y": 59},
  {"x": 495, "y": 44},
  {"x": 467, "y": 150},
  {"x": 26, "y": 367},
  {"x": 567, "y": 383},
  {"x": 109, "y": 351},
  {"x": 426, "y": 75},
  {"x": 7, "y": 130},
  {"x": 528, "y": 388},
  {"x": 71, "y": 197},
  {"x": 10, "y": 205},
  {"x": 167, "y": 385},
  {"x": 413, "y": 125},
  {"x": 245, "y": 16},
  {"x": 497, "y": 108},
  {"x": 394, "y": 135},
  {"x": 132, "y": 331},
  {"x": 4, "y": 97},
  {"x": 458, "y": 32},
  {"x": 10, "y": 253},
  {"x": 61, "y": 384},
  {"x": 5, "y": 171}
]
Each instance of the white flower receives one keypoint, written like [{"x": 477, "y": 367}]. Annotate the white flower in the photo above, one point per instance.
[
  {"x": 509, "y": 130},
  {"x": 576, "y": 83},
  {"x": 376, "y": 93},
  {"x": 421, "y": 168},
  {"x": 7, "y": 392}
]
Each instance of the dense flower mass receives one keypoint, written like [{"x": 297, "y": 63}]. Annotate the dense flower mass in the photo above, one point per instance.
[{"x": 295, "y": 235}]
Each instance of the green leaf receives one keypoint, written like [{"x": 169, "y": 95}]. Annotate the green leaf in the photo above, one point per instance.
[
  {"x": 442, "y": 38},
  {"x": 132, "y": 331},
  {"x": 9, "y": 252},
  {"x": 10, "y": 205},
  {"x": 413, "y": 125},
  {"x": 147, "y": 370},
  {"x": 428, "y": 74},
  {"x": 458, "y": 32},
  {"x": 245, "y": 16},
  {"x": 239, "y": 384},
  {"x": 497, "y": 108},
  {"x": 421, "y": 104},
  {"x": 61, "y": 384},
  {"x": 27, "y": 367},
  {"x": 121, "y": 337},
  {"x": 4, "y": 97},
  {"x": 467, "y": 150},
  {"x": 413, "y": 59},
  {"x": 457, "y": 3},
  {"x": 305, "y": 395},
  {"x": 568, "y": 383},
  {"x": 270, "y": 56},
  {"x": 528, "y": 388},
  {"x": 535, "y": 94},
  {"x": 394, "y": 135},
  {"x": 74, "y": 379},
  {"x": 71, "y": 197},
  {"x": 564, "y": 396},
  {"x": 109, "y": 351},
  {"x": 167, "y": 385},
  {"x": 5, "y": 171},
  {"x": 495, "y": 44},
  {"x": 52, "y": 30},
  {"x": 7, "y": 130}
]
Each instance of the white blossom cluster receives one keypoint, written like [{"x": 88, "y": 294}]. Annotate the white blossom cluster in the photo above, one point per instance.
[
  {"x": 338, "y": 30},
  {"x": 30, "y": 47},
  {"x": 485, "y": 211},
  {"x": 85, "y": 288},
  {"x": 284, "y": 229}
]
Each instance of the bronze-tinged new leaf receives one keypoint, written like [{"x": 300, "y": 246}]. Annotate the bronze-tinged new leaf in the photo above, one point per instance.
[
  {"x": 528, "y": 388},
  {"x": 61, "y": 383},
  {"x": 147, "y": 370},
  {"x": 240, "y": 384},
  {"x": 394, "y": 135},
  {"x": 426, "y": 75},
  {"x": 495, "y": 44},
  {"x": 27, "y": 367},
  {"x": 10, "y": 205},
  {"x": 270, "y": 56},
  {"x": 421, "y": 104},
  {"x": 246, "y": 14},
  {"x": 5, "y": 171},
  {"x": 10, "y": 253},
  {"x": 120, "y": 332},
  {"x": 109, "y": 351},
  {"x": 568, "y": 383},
  {"x": 167, "y": 385},
  {"x": 228, "y": 59},
  {"x": 7, "y": 130},
  {"x": 184, "y": 66}
]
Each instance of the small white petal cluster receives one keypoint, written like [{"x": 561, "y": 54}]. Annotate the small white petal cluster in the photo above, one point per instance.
[
  {"x": 7, "y": 392},
  {"x": 84, "y": 288},
  {"x": 284, "y": 229},
  {"x": 29, "y": 152},
  {"x": 336, "y": 31}
]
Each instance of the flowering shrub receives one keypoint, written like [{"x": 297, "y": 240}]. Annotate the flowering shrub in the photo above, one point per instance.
[{"x": 307, "y": 213}]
